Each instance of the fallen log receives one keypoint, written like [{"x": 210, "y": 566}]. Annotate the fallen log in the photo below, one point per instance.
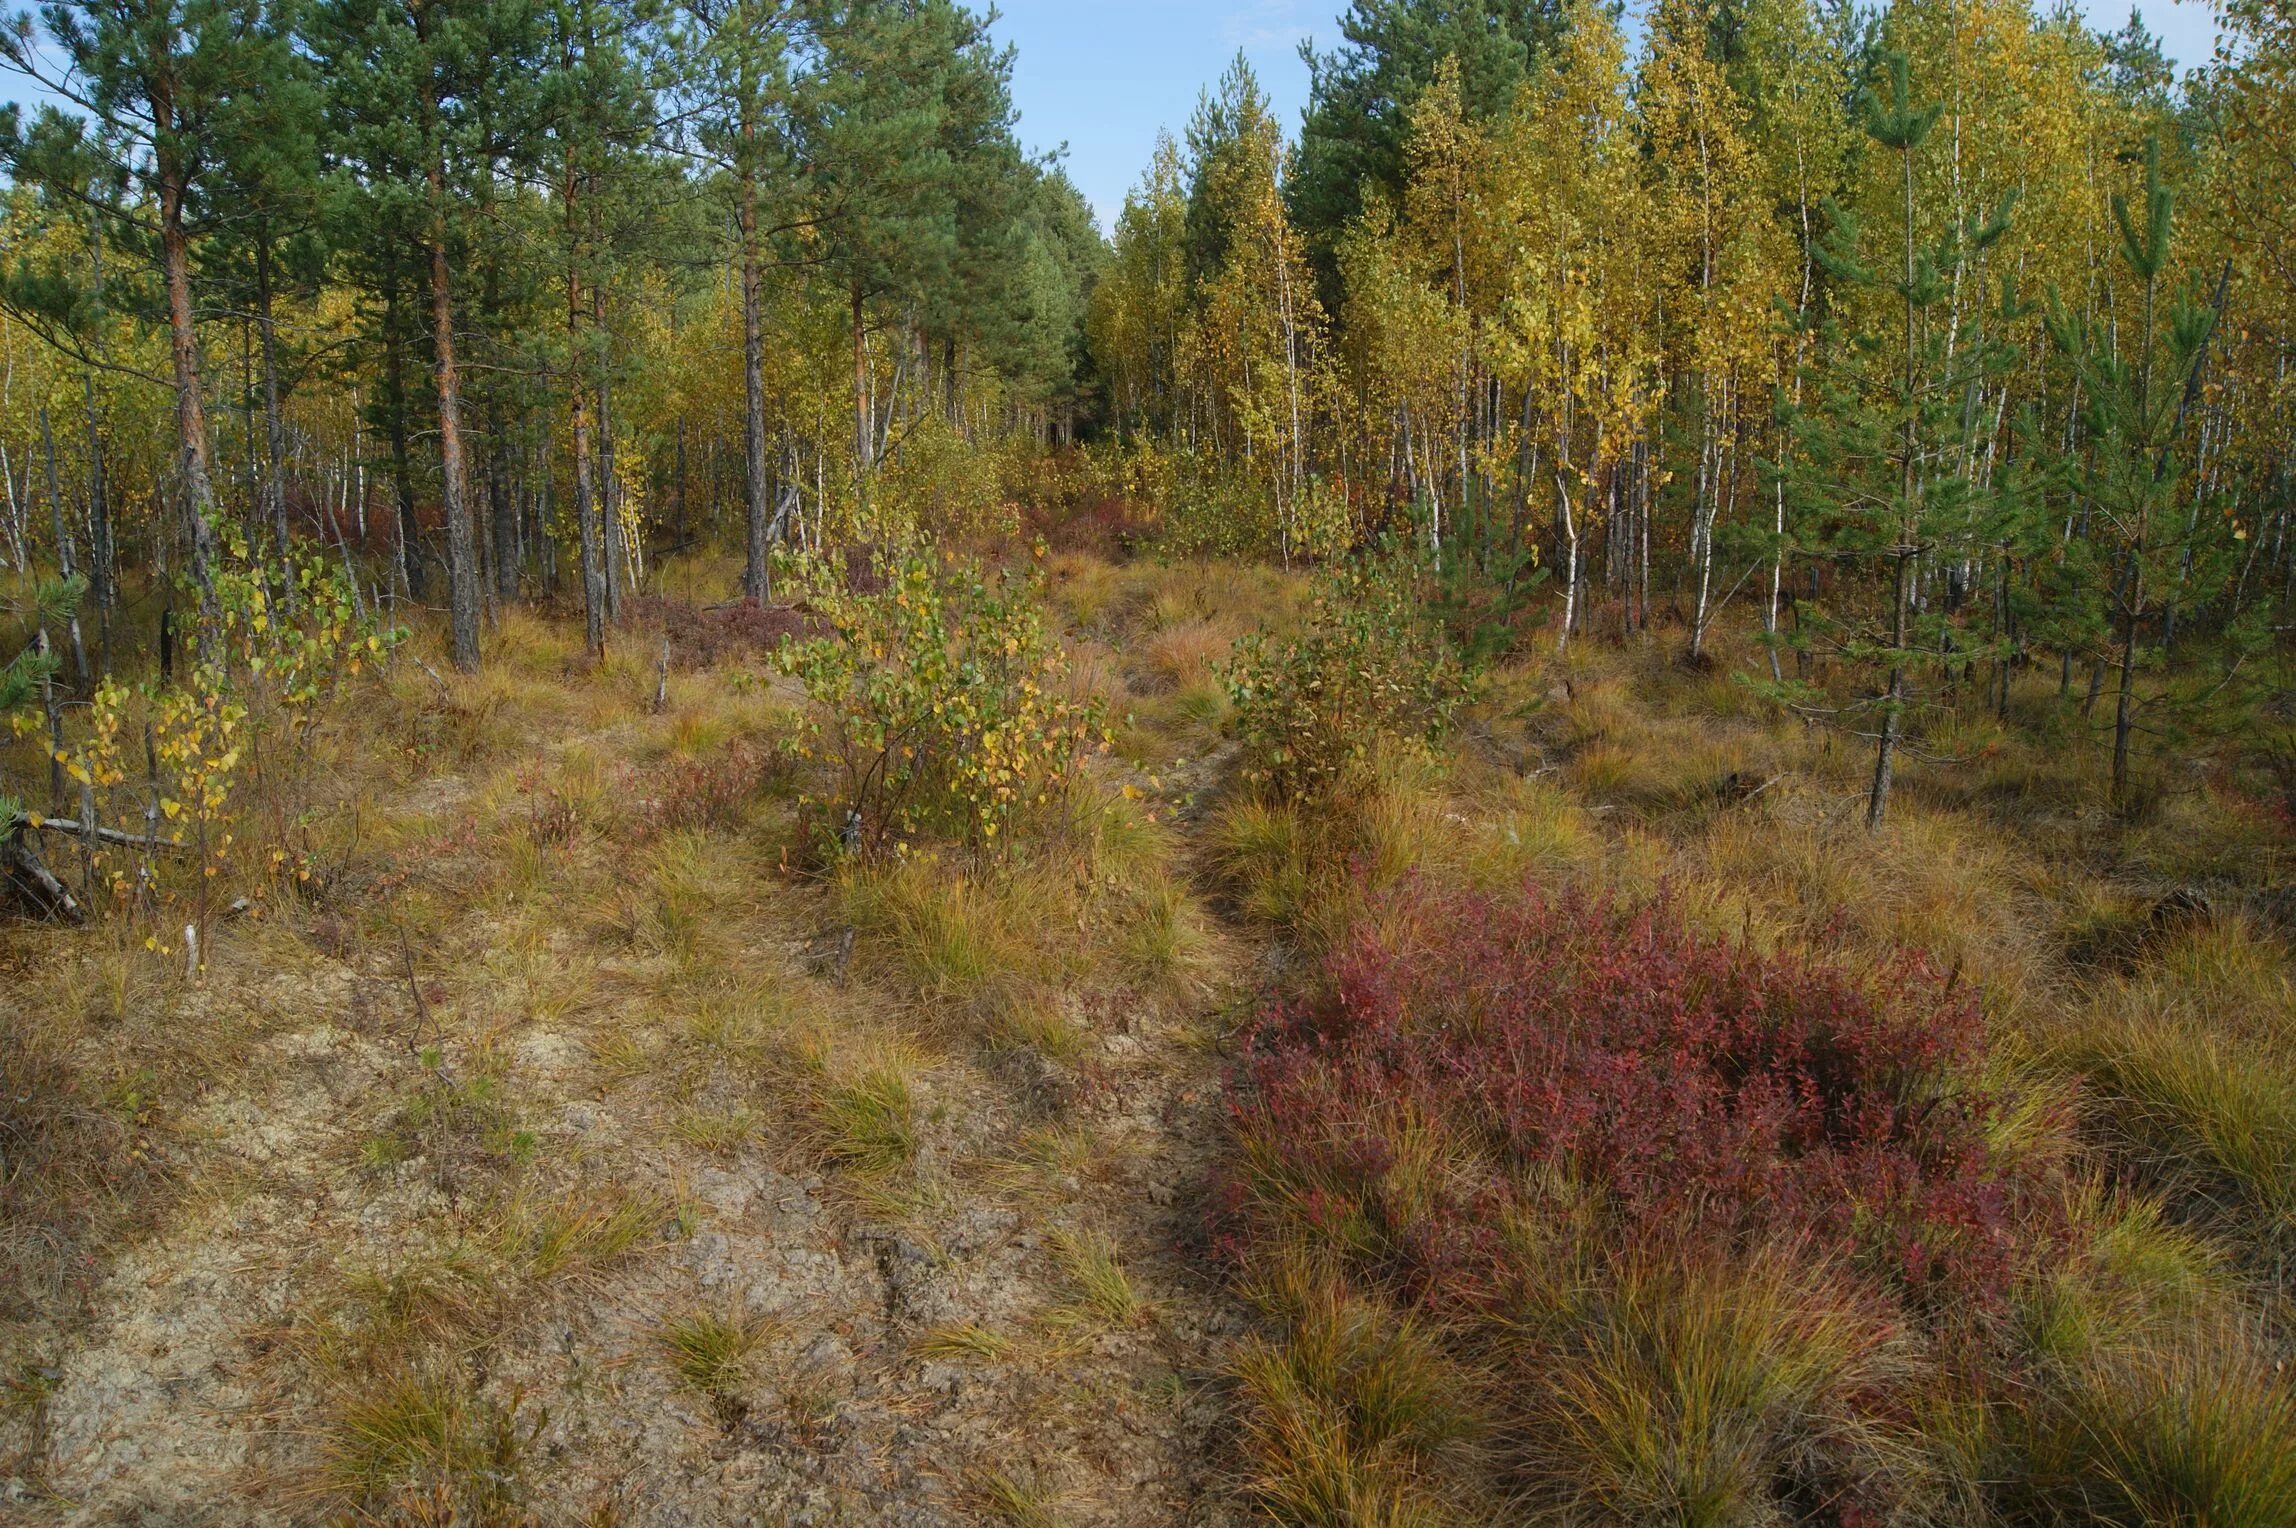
[
  {"x": 104, "y": 835},
  {"x": 32, "y": 882}
]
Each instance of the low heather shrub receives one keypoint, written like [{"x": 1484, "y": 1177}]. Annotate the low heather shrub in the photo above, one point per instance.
[
  {"x": 703, "y": 637},
  {"x": 714, "y": 793},
  {"x": 1479, "y": 1064}
]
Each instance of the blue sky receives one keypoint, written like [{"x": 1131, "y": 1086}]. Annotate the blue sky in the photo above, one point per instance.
[{"x": 1103, "y": 76}]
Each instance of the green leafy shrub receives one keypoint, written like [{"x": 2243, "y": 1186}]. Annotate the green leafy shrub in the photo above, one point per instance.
[
  {"x": 939, "y": 484},
  {"x": 938, "y": 700},
  {"x": 1372, "y": 670}
]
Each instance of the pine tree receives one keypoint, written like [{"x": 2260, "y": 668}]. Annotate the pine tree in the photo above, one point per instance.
[
  {"x": 741, "y": 84},
  {"x": 881, "y": 180},
  {"x": 151, "y": 84},
  {"x": 2150, "y": 528},
  {"x": 1880, "y": 486},
  {"x": 598, "y": 110},
  {"x": 266, "y": 187},
  {"x": 1361, "y": 95},
  {"x": 466, "y": 67}
]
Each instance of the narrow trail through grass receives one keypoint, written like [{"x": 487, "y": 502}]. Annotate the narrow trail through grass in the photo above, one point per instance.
[{"x": 568, "y": 1157}]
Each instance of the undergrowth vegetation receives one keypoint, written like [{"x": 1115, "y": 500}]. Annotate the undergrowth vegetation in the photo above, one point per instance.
[
  {"x": 1613, "y": 1128},
  {"x": 1643, "y": 1139}
]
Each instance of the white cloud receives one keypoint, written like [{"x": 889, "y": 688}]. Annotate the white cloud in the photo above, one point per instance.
[{"x": 1266, "y": 26}]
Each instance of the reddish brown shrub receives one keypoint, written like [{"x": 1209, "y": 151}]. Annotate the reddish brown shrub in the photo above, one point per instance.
[
  {"x": 1103, "y": 525},
  {"x": 1472, "y": 1053},
  {"x": 704, "y": 636},
  {"x": 714, "y": 793}
]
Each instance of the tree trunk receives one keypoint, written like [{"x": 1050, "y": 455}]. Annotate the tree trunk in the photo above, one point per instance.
[
  {"x": 402, "y": 460},
  {"x": 454, "y": 472},
  {"x": 861, "y": 431},
  {"x": 2124, "y": 706},
  {"x": 274, "y": 430},
  {"x": 183, "y": 350},
  {"x": 1570, "y": 538},
  {"x": 503, "y": 512},
  {"x": 578, "y": 403},
  {"x": 1893, "y": 699},
  {"x": 1885, "y": 748},
  {"x": 64, "y": 560},
  {"x": 34, "y": 885},
  {"x": 103, "y": 558},
  {"x": 679, "y": 469},
  {"x": 617, "y": 551},
  {"x": 757, "y": 570}
]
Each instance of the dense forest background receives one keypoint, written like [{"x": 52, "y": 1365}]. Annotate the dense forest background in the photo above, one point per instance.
[{"x": 1954, "y": 330}]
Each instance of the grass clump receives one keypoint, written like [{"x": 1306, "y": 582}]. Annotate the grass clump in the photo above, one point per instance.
[
  {"x": 2205, "y": 1115},
  {"x": 1027, "y": 1500},
  {"x": 1347, "y": 1417},
  {"x": 711, "y": 1350},
  {"x": 869, "y": 1122},
  {"x": 964, "y": 1340},
  {"x": 452, "y": 1123},
  {"x": 571, "y": 1236},
  {"x": 1104, "y": 1287},
  {"x": 1692, "y": 1390},
  {"x": 947, "y": 933},
  {"x": 419, "y": 1447},
  {"x": 1164, "y": 945},
  {"x": 2184, "y": 1432}
]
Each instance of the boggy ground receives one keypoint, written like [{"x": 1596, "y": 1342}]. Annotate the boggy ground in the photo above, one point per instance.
[{"x": 564, "y": 1153}]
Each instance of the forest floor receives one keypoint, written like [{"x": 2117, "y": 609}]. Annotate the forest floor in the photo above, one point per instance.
[
  {"x": 561, "y": 1155},
  {"x": 555, "y": 1159}
]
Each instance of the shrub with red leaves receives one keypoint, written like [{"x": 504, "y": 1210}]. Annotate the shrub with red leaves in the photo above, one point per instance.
[
  {"x": 1104, "y": 525},
  {"x": 711, "y": 794},
  {"x": 704, "y": 636},
  {"x": 1477, "y": 1061}
]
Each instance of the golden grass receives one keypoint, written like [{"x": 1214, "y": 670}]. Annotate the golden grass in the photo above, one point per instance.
[
  {"x": 868, "y": 1121},
  {"x": 421, "y": 1437},
  {"x": 573, "y": 1236},
  {"x": 1104, "y": 1287},
  {"x": 2208, "y": 1114},
  {"x": 1179, "y": 656},
  {"x": 964, "y": 1340},
  {"x": 1166, "y": 944},
  {"x": 711, "y": 1350},
  {"x": 1683, "y": 1392},
  {"x": 1019, "y": 1499},
  {"x": 1348, "y": 1418},
  {"x": 948, "y": 934},
  {"x": 2200, "y": 1430}
]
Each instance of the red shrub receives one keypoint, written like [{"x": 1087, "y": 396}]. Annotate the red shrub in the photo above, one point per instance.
[
  {"x": 1700, "y": 1090},
  {"x": 1103, "y": 525},
  {"x": 703, "y": 636},
  {"x": 712, "y": 794}
]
